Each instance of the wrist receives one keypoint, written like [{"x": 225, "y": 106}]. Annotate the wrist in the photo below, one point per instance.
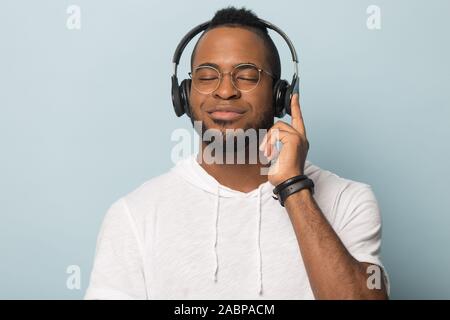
[{"x": 291, "y": 186}]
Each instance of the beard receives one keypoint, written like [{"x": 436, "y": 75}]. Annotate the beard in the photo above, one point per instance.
[{"x": 236, "y": 136}]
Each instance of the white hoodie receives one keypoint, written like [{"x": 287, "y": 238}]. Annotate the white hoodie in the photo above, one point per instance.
[{"x": 182, "y": 235}]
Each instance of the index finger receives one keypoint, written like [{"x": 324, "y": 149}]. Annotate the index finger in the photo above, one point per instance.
[{"x": 296, "y": 115}]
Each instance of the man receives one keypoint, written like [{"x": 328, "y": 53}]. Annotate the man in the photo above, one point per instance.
[{"x": 211, "y": 230}]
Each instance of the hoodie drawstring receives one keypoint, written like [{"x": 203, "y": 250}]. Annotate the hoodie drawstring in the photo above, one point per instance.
[
  {"x": 258, "y": 214},
  {"x": 215, "y": 241},
  {"x": 258, "y": 238}
]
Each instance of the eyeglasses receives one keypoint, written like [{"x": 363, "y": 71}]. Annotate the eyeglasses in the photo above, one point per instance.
[{"x": 244, "y": 77}]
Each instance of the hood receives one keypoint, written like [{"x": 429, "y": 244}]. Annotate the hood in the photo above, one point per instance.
[{"x": 191, "y": 171}]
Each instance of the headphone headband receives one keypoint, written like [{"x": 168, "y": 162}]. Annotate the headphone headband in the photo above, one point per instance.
[{"x": 203, "y": 26}]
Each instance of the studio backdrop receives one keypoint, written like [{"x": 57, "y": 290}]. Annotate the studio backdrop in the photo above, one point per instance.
[{"x": 86, "y": 117}]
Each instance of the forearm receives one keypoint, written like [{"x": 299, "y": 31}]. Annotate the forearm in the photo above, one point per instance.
[{"x": 332, "y": 271}]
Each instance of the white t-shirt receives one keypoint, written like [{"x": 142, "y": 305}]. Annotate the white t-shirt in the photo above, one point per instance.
[{"x": 182, "y": 235}]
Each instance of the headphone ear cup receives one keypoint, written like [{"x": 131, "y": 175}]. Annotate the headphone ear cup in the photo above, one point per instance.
[
  {"x": 185, "y": 89},
  {"x": 176, "y": 97},
  {"x": 279, "y": 93}
]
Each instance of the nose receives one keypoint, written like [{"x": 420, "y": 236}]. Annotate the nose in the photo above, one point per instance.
[{"x": 226, "y": 89}]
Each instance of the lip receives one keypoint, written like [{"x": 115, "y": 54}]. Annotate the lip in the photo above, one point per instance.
[
  {"x": 225, "y": 115},
  {"x": 225, "y": 112}
]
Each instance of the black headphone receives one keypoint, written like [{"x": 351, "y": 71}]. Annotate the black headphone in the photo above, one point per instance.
[{"x": 282, "y": 90}]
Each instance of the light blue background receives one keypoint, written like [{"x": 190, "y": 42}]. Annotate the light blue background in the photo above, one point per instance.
[{"x": 86, "y": 117}]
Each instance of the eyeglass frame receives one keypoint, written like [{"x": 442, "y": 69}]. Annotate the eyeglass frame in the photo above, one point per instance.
[{"x": 222, "y": 74}]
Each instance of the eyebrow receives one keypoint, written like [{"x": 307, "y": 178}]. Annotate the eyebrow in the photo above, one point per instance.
[{"x": 214, "y": 65}]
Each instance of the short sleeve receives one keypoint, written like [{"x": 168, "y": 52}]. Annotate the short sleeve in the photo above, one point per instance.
[
  {"x": 118, "y": 271},
  {"x": 359, "y": 225}
]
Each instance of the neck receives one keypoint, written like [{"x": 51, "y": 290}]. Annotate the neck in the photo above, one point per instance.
[{"x": 241, "y": 177}]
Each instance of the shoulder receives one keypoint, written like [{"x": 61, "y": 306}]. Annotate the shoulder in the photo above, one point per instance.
[
  {"x": 326, "y": 180},
  {"x": 152, "y": 189},
  {"x": 138, "y": 206},
  {"x": 337, "y": 196}
]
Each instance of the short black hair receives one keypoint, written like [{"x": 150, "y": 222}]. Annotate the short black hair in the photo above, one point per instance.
[{"x": 233, "y": 17}]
